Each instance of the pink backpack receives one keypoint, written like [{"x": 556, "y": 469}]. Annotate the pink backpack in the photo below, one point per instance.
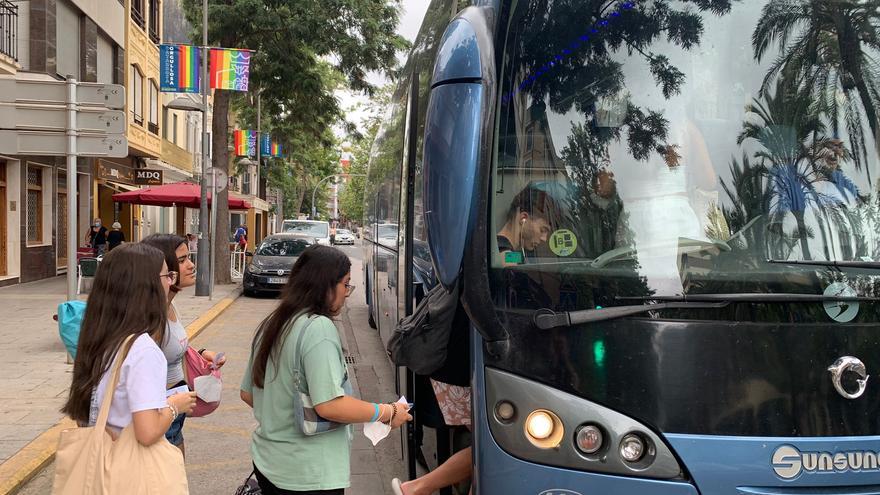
[{"x": 195, "y": 366}]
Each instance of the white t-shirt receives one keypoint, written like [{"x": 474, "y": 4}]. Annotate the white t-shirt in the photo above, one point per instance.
[{"x": 141, "y": 384}]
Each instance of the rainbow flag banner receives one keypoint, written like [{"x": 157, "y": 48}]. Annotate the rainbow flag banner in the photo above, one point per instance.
[
  {"x": 245, "y": 142},
  {"x": 230, "y": 69},
  {"x": 179, "y": 69},
  {"x": 276, "y": 150}
]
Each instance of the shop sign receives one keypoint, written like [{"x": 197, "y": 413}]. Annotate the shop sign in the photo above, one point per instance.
[
  {"x": 115, "y": 172},
  {"x": 147, "y": 177}
]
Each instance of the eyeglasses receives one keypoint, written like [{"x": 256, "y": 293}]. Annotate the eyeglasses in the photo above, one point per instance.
[
  {"x": 171, "y": 276},
  {"x": 349, "y": 289}
]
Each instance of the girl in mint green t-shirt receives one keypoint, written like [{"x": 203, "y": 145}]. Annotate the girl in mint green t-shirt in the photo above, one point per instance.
[{"x": 286, "y": 460}]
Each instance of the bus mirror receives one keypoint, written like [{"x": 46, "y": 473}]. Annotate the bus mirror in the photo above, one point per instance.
[{"x": 452, "y": 145}]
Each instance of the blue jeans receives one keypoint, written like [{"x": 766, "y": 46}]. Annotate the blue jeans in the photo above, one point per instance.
[{"x": 175, "y": 431}]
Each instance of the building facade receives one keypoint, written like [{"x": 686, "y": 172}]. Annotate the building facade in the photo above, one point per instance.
[{"x": 47, "y": 40}]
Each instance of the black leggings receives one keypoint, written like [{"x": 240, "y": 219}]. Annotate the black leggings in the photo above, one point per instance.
[{"x": 268, "y": 488}]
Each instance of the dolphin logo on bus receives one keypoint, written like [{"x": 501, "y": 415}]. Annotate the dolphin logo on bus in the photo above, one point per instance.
[{"x": 788, "y": 462}]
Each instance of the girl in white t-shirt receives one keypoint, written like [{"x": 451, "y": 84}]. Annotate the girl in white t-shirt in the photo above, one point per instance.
[{"x": 127, "y": 298}]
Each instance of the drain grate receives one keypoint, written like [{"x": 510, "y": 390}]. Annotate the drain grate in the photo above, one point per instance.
[{"x": 349, "y": 360}]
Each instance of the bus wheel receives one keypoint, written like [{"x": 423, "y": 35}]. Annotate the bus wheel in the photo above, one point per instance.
[{"x": 371, "y": 320}]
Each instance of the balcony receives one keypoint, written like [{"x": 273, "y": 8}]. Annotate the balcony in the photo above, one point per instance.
[{"x": 8, "y": 36}]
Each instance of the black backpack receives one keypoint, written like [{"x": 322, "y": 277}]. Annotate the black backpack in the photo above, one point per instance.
[{"x": 420, "y": 340}]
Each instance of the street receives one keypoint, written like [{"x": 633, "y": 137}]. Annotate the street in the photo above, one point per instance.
[{"x": 217, "y": 446}]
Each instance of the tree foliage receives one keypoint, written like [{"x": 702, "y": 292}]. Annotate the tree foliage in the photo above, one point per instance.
[{"x": 293, "y": 39}]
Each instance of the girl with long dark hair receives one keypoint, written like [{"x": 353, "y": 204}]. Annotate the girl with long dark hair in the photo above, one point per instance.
[
  {"x": 127, "y": 298},
  {"x": 286, "y": 461},
  {"x": 176, "y": 252}
]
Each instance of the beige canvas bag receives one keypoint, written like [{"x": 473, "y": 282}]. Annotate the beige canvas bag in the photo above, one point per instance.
[{"x": 90, "y": 462}]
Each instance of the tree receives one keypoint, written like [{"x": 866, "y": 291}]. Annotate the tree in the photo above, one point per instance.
[
  {"x": 788, "y": 127},
  {"x": 825, "y": 45},
  {"x": 291, "y": 39}
]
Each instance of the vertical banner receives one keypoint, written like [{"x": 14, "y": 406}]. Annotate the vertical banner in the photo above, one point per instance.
[
  {"x": 276, "y": 150},
  {"x": 179, "y": 69},
  {"x": 265, "y": 145},
  {"x": 230, "y": 69},
  {"x": 245, "y": 142}
]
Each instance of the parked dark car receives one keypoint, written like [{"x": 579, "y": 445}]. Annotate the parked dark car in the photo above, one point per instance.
[{"x": 270, "y": 265}]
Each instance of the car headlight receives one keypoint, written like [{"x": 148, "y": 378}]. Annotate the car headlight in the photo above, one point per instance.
[{"x": 252, "y": 268}]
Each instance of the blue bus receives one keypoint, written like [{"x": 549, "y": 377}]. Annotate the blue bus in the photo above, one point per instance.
[{"x": 663, "y": 216}]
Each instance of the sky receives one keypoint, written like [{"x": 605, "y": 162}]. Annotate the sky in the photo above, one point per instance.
[{"x": 410, "y": 21}]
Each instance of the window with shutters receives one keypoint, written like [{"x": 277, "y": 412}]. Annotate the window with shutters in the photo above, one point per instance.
[{"x": 35, "y": 205}]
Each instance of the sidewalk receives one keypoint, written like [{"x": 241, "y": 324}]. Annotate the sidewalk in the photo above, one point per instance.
[{"x": 34, "y": 374}]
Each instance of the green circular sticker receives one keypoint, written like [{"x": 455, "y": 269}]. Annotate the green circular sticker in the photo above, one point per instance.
[{"x": 563, "y": 242}]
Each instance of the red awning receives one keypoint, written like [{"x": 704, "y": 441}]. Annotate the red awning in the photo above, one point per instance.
[{"x": 183, "y": 194}]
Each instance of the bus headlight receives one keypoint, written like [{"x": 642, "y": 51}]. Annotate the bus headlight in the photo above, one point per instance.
[
  {"x": 544, "y": 429},
  {"x": 632, "y": 448},
  {"x": 589, "y": 439}
]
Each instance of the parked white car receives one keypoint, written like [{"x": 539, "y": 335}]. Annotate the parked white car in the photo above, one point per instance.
[{"x": 311, "y": 228}]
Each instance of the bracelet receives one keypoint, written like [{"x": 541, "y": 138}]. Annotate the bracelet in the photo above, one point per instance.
[
  {"x": 375, "y": 414},
  {"x": 202, "y": 350},
  {"x": 393, "y": 413},
  {"x": 173, "y": 412}
]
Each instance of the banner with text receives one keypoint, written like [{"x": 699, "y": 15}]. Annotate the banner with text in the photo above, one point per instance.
[{"x": 179, "y": 69}]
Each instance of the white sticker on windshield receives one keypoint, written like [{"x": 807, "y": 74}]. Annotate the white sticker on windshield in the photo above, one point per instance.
[
  {"x": 563, "y": 242},
  {"x": 841, "y": 311}
]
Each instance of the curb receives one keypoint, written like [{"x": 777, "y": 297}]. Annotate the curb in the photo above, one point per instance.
[{"x": 16, "y": 471}]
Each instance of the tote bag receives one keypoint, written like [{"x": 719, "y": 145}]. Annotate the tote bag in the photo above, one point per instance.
[{"x": 90, "y": 462}]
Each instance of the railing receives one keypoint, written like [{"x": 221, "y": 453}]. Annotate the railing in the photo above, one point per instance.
[
  {"x": 237, "y": 264},
  {"x": 9, "y": 29}
]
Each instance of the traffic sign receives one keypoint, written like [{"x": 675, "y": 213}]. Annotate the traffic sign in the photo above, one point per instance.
[
  {"x": 55, "y": 93},
  {"x": 222, "y": 178},
  {"x": 55, "y": 144},
  {"x": 54, "y": 118}
]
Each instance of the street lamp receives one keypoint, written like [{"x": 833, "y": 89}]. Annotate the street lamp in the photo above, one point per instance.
[{"x": 204, "y": 266}]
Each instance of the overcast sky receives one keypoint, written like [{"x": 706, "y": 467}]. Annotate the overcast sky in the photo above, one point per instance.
[{"x": 410, "y": 22}]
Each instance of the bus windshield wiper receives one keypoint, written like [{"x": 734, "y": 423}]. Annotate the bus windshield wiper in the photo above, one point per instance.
[
  {"x": 836, "y": 264},
  {"x": 546, "y": 319}
]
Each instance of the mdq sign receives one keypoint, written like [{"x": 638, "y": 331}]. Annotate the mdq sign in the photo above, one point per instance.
[{"x": 147, "y": 177}]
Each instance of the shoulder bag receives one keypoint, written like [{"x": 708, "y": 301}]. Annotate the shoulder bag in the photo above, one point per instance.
[
  {"x": 421, "y": 339},
  {"x": 305, "y": 414},
  {"x": 90, "y": 462}
]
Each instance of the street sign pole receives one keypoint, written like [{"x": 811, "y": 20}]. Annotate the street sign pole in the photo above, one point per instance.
[
  {"x": 203, "y": 268},
  {"x": 213, "y": 231},
  {"x": 72, "y": 235}
]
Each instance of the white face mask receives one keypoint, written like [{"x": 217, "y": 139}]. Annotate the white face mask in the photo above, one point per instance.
[{"x": 97, "y": 224}]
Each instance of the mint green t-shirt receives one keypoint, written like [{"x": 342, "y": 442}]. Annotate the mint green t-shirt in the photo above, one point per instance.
[{"x": 289, "y": 459}]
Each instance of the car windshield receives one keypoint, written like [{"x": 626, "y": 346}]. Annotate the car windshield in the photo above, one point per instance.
[
  {"x": 315, "y": 229},
  {"x": 282, "y": 247},
  {"x": 343, "y": 232},
  {"x": 674, "y": 147}
]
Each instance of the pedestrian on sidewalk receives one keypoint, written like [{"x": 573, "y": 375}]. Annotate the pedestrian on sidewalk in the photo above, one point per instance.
[
  {"x": 115, "y": 237},
  {"x": 176, "y": 252},
  {"x": 127, "y": 299},
  {"x": 286, "y": 460},
  {"x": 96, "y": 238}
]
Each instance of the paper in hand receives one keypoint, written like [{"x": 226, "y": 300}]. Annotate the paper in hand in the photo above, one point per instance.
[{"x": 377, "y": 431}]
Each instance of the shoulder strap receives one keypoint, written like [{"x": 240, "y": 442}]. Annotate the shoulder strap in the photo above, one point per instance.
[
  {"x": 114, "y": 380},
  {"x": 299, "y": 340}
]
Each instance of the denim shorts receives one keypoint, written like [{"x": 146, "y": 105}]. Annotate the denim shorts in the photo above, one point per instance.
[{"x": 175, "y": 431}]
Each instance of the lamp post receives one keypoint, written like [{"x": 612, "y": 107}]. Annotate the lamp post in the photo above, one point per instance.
[{"x": 203, "y": 260}]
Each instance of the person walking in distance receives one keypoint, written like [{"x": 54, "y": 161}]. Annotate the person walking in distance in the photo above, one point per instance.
[
  {"x": 96, "y": 238},
  {"x": 300, "y": 339},
  {"x": 176, "y": 252},
  {"x": 127, "y": 299},
  {"x": 115, "y": 237}
]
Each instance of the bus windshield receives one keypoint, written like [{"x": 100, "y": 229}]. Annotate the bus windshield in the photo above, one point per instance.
[
  {"x": 315, "y": 229},
  {"x": 635, "y": 161}
]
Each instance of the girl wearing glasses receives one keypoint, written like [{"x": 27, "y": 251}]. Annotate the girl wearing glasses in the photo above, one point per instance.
[
  {"x": 181, "y": 274},
  {"x": 127, "y": 299},
  {"x": 285, "y": 459}
]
